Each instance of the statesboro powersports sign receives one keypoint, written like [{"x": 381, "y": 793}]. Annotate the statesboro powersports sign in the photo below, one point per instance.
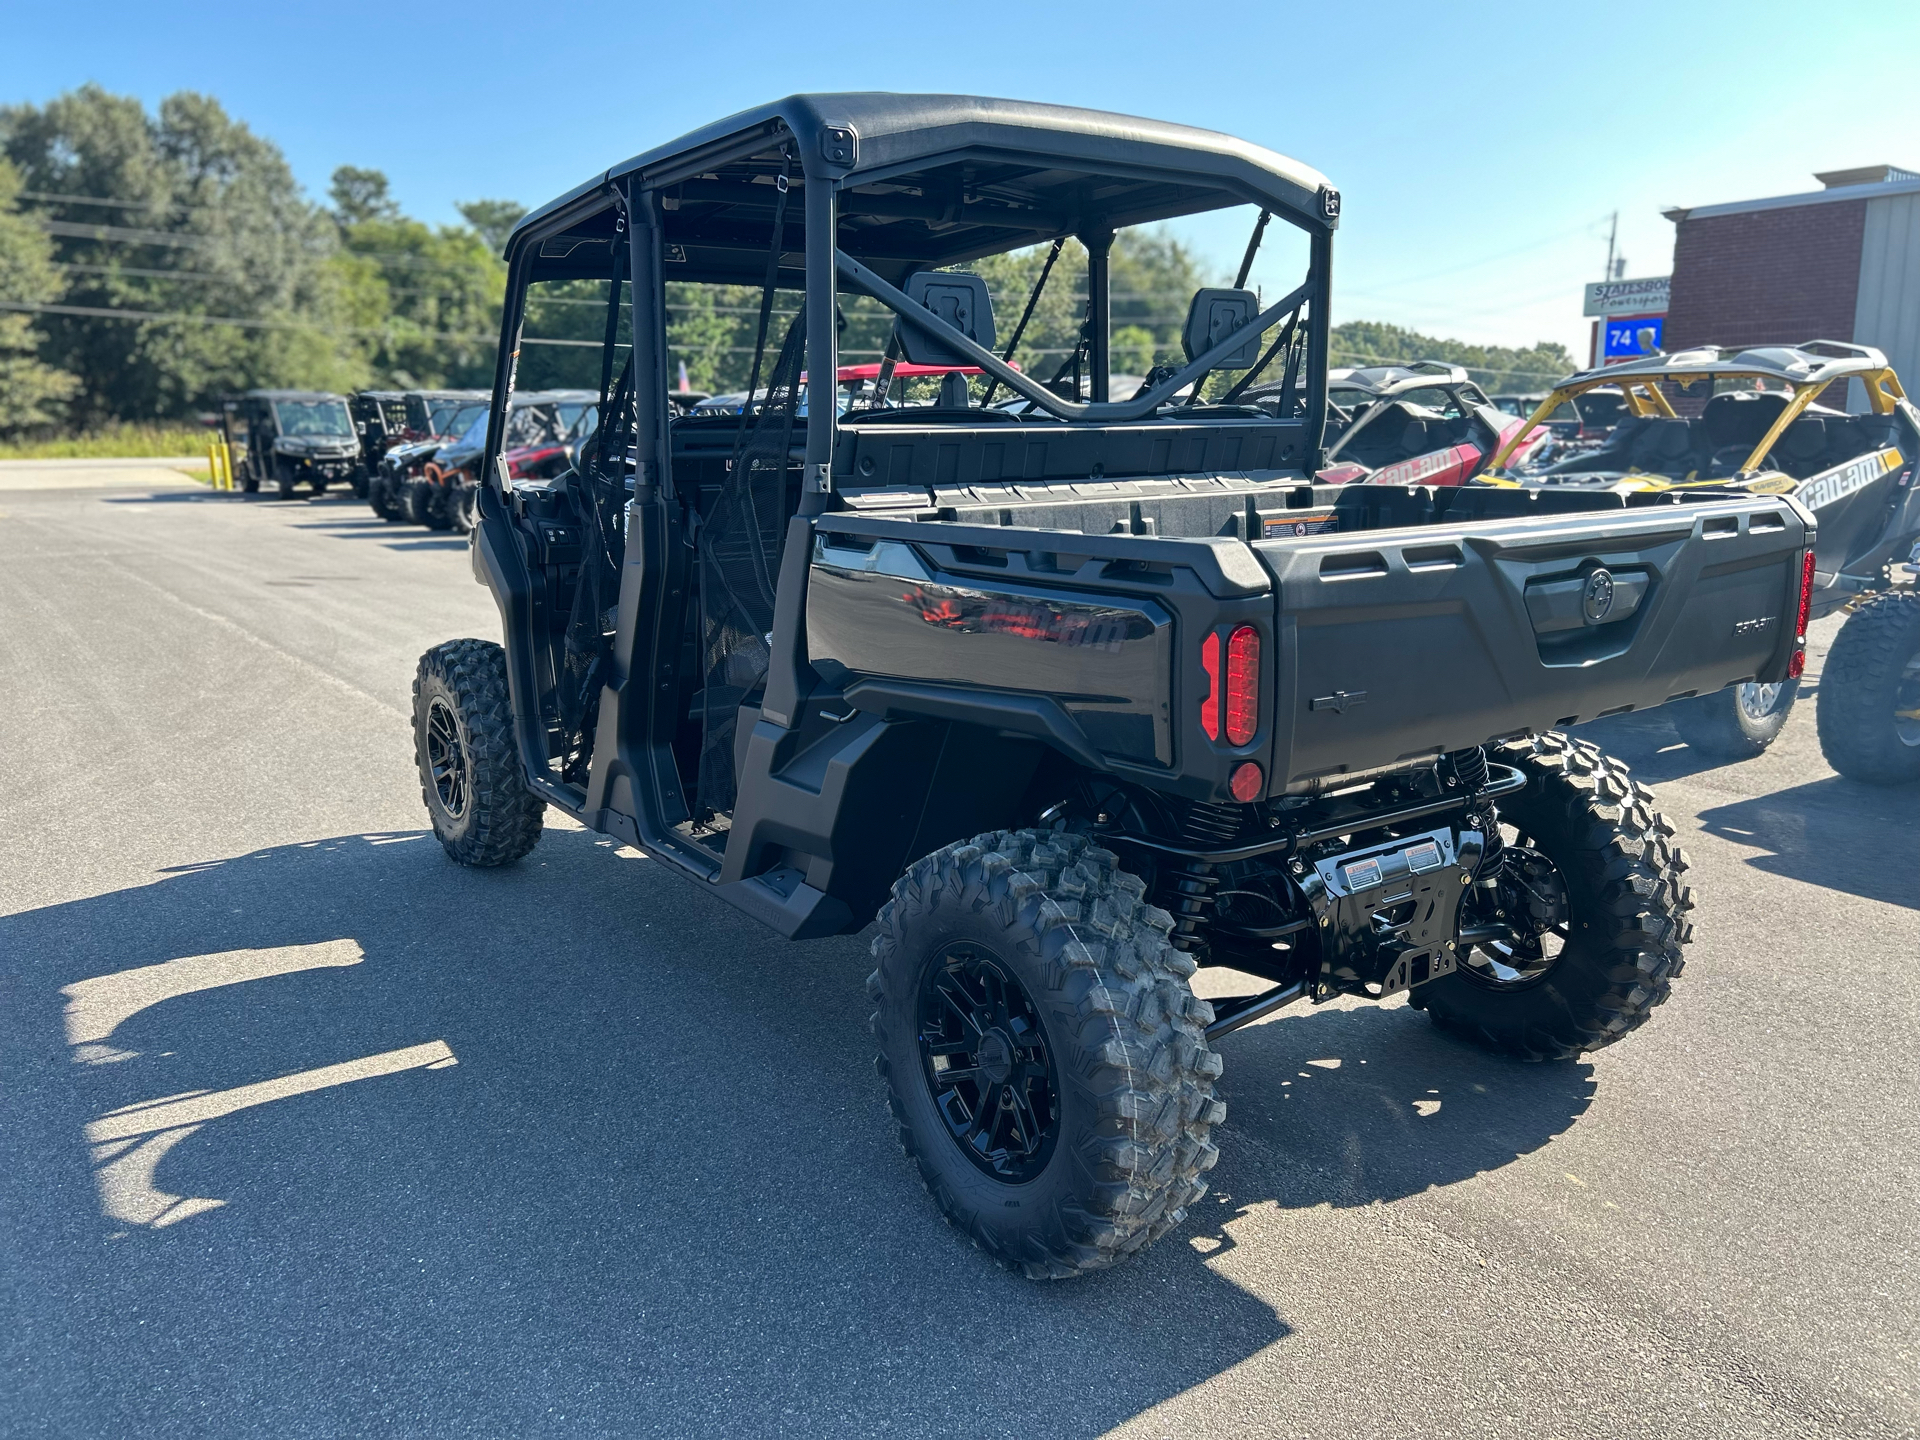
[{"x": 1628, "y": 297}]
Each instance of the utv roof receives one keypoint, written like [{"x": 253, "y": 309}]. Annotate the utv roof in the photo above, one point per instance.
[
  {"x": 1392, "y": 379},
  {"x": 555, "y": 397},
  {"x": 1811, "y": 362},
  {"x": 929, "y": 180},
  {"x": 423, "y": 394},
  {"x": 289, "y": 395}
]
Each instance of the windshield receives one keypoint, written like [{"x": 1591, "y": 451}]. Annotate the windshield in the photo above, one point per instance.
[
  {"x": 313, "y": 417},
  {"x": 455, "y": 419},
  {"x": 476, "y": 431}
]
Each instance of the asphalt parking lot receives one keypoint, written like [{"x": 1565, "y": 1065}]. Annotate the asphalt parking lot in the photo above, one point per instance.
[{"x": 371, "y": 1144}]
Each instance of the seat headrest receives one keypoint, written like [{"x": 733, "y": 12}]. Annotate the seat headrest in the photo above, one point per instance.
[
  {"x": 1661, "y": 443},
  {"x": 1805, "y": 438},
  {"x": 1740, "y": 418},
  {"x": 1216, "y": 314},
  {"x": 960, "y": 300}
]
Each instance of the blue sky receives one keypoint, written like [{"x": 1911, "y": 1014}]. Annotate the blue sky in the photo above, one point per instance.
[{"x": 1479, "y": 151}]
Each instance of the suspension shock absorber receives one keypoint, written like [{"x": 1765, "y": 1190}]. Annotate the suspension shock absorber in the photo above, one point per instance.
[
  {"x": 1192, "y": 883},
  {"x": 1470, "y": 769}
]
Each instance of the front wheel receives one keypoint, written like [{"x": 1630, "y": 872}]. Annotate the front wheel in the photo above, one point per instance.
[
  {"x": 285, "y": 478},
  {"x": 470, "y": 775},
  {"x": 1047, "y": 1066},
  {"x": 462, "y": 510},
  {"x": 1736, "y": 723},
  {"x": 417, "y": 502},
  {"x": 1593, "y": 878},
  {"x": 1868, "y": 705}
]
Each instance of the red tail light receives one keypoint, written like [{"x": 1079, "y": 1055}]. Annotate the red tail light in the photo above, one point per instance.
[
  {"x": 1210, "y": 707},
  {"x": 1243, "y": 685},
  {"x": 1799, "y": 661}
]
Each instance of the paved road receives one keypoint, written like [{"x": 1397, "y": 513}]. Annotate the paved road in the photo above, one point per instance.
[{"x": 572, "y": 1149}]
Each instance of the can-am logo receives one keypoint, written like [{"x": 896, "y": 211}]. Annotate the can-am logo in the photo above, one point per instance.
[{"x": 1596, "y": 601}]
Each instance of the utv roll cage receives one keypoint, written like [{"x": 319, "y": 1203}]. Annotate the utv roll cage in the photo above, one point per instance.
[
  {"x": 893, "y": 191},
  {"x": 1807, "y": 370}
]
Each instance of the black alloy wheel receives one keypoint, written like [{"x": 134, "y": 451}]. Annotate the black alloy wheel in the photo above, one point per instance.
[
  {"x": 1587, "y": 925},
  {"x": 1532, "y": 902},
  {"x": 471, "y": 778},
  {"x": 447, "y": 757},
  {"x": 987, "y": 1064}
]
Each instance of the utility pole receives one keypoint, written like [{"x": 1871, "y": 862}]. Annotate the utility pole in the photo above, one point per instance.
[{"x": 1613, "y": 232}]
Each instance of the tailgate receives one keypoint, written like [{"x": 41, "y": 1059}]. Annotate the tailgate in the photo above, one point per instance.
[{"x": 1395, "y": 644}]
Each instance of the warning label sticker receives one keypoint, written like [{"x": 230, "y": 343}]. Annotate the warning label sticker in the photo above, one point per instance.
[
  {"x": 1425, "y": 856},
  {"x": 1362, "y": 873},
  {"x": 1314, "y": 522}
]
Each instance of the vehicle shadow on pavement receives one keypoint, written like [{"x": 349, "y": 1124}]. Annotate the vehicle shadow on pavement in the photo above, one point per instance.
[
  {"x": 1344, "y": 1107},
  {"x": 339, "y": 1138},
  {"x": 1836, "y": 833},
  {"x": 1647, "y": 743}
]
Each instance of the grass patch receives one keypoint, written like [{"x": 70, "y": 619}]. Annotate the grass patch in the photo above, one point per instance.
[{"x": 114, "y": 443}]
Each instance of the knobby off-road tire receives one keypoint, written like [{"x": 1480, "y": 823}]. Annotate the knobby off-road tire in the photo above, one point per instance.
[
  {"x": 1627, "y": 911},
  {"x": 285, "y": 479},
  {"x": 361, "y": 483},
  {"x": 463, "y": 509},
  {"x": 470, "y": 777},
  {"x": 384, "y": 502},
  {"x": 416, "y": 501},
  {"x": 1125, "y": 1035},
  {"x": 1736, "y": 723},
  {"x": 1870, "y": 681}
]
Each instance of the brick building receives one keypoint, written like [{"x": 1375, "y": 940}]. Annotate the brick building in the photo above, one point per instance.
[{"x": 1840, "y": 263}]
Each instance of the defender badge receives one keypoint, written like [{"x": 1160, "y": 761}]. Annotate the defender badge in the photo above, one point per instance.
[{"x": 1596, "y": 602}]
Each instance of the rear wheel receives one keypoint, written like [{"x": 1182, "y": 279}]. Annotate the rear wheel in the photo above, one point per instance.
[
  {"x": 361, "y": 483},
  {"x": 1046, "y": 1063},
  {"x": 470, "y": 776},
  {"x": 1736, "y": 723},
  {"x": 1600, "y": 906},
  {"x": 1868, "y": 705}
]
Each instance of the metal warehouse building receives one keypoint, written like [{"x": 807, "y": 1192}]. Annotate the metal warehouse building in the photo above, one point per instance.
[{"x": 1842, "y": 263}]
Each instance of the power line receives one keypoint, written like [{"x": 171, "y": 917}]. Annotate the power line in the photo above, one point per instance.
[
  {"x": 183, "y": 240},
  {"x": 60, "y": 199},
  {"x": 178, "y": 317}
]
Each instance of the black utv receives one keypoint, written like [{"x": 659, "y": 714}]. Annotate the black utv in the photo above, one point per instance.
[
  {"x": 1066, "y": 703},
  {"x": 385, "y": 419},
  {"x": 286, "y": 438},
  {"x": 448, "y": 415}
]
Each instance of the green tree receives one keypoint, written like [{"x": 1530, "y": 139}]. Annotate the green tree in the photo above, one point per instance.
[
  {"x": 430, "y": 296},
  {"x": 361, "y": 195},
  {"x": 1153, "y": 279},
  {"x": 195, "y": 224},
  {"x": 494, "y": 219},
  {"x": 33, "y": 395},
  {"x": 1495, "y": 368}
]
